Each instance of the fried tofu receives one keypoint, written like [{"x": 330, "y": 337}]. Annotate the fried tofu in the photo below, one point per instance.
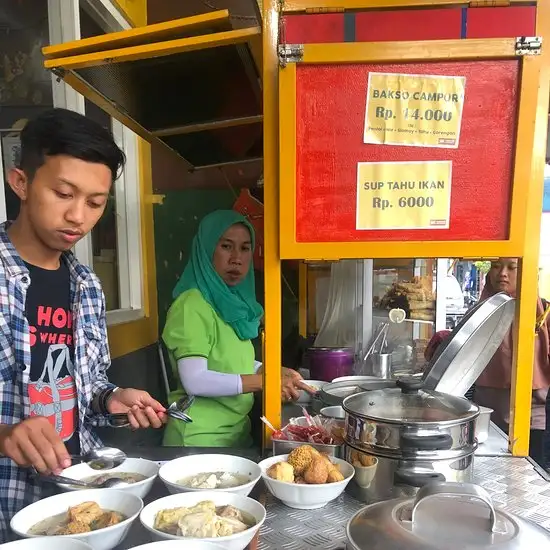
[
  {"x": 281, "y": 471},
  {"x": 86, "y": 513},
  {"x": 107, "y": 519},
  {"x": 74, "y": 528}
]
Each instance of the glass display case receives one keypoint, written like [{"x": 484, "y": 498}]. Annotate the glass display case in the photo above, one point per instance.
[{"x": 349, "y": 304}]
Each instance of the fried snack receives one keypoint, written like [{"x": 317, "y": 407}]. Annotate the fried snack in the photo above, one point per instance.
[
  {"x": 282, "y": 471},
  {"x": 335, "y": 475},
  {"x": 87, "y": 512},
  {"x": 367, "y": 460},
  {"x": 107, "y": 519},
  {"x": 300, "y": 480},
  {"x": 361, "y": 460},
  {"x": 317, "y": 472},
  {"x": 74, "y": 528},
  {"x": 302, "y": 457}
]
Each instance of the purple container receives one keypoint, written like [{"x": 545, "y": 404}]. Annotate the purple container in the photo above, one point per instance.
[{"x": 330, "y": 363}]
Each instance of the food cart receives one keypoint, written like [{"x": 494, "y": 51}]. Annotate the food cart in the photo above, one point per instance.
[{"x": 393, "y": 129}]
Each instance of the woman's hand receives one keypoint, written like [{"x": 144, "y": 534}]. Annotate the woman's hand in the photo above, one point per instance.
[{"x": 291, "y": 384}]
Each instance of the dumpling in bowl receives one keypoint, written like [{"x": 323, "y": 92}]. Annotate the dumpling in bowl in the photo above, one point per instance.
[
  {"x": 167, "y": 520},
  {"x": 198, "y": 525},
  {"x": 229, "y": 526},
  {"x": 230, "y": 512}
]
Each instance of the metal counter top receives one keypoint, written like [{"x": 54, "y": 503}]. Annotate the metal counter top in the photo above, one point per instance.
[
  {"x": 496, "y": 444},
  {"x": 515, "y": 484}
]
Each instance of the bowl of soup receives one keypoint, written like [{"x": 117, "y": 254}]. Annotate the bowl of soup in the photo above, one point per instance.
[
  {"x": 139, "y": 473},
  {"x": 223, "y": 518},
  {"x": 46, "y": 543},
  {"x": 99, "y": 517},
  {"x": 210, "y": 472}
]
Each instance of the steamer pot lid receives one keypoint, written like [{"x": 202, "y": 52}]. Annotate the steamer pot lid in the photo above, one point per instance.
[
  {"x": 409, "y": 403},
  {"x": 462, "y": 357},
  {"x": 446, "y": 516}
]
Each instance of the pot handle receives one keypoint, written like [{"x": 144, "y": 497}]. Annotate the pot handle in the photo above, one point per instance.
[
  {"x": 409, "y": 385},
  {"x": 454, "y": 490},
  {"x": 415, "y": 479},
  {"x": 434, "y": 442}
]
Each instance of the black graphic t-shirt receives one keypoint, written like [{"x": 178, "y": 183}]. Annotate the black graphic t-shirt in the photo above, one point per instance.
[{"x": 52, "y": 389}]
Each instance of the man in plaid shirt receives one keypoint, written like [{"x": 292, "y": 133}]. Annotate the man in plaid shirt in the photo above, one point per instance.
[{"x": 53, "y": 337}]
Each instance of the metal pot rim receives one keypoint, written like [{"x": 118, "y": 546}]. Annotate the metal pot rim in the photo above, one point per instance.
[
  {"x": 430, "y": 456},
  {"x": 470, "y": 415},
  {"x": 418, "y": 424}
]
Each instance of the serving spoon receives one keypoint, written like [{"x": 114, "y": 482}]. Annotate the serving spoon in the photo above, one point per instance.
[
  {"x": 107, "y": 484},
  {"x": 103, "y": 458},
  {"x": 176, "y": 410}
]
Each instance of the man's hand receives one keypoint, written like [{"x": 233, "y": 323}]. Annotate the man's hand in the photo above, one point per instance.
[
  {"x": 34, "y": 442},
  {"x": 143, "y": 411}
]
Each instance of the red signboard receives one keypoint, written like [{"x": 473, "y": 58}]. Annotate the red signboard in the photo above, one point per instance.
[{"x": 330, "y": 114}]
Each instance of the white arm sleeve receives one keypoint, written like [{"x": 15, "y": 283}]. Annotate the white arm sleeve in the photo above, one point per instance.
[
  {"x": 257, "y": 366},
  {"x": 198, "y": 380}
]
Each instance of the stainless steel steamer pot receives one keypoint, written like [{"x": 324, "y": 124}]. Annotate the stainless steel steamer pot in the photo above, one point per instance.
[
  {"x": 416, "y": 436},
  {"x": 389, "y": 478}
]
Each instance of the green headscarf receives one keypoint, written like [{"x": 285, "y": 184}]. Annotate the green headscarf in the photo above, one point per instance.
[{"x": 236, "y": 305}]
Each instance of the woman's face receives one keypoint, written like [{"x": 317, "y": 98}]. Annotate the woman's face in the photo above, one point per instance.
[
  {"x": 504, "y": 274},
  {"x": 233, "y": 254}
]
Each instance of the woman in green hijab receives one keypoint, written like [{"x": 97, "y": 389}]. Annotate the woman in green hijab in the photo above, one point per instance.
[{"x": 208, "y": 333}]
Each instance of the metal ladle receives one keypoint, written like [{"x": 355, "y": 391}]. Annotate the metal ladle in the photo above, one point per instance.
[
  {"x": 103, "y": 458},
  {"x": 107, "y": 484}
]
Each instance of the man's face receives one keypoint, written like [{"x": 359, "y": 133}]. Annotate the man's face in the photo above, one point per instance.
[{"x": 65, "y": 199}]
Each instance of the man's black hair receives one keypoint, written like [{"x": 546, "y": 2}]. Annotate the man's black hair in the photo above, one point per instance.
[{"x": 63, "y": 132}]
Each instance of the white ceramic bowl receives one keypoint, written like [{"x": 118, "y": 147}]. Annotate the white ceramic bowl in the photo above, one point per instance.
[
  {"x": 238, "y": 541},
  {"x": 304, "y": 396},
  {"x": 302, "y": 496},
  {"x": 129, "y": 466},
  {"x": 109, "y": 499},
  {"x": 188, "y": 466},
  {"x": 46, "y": 543},
  {"x": 191, "y": 544},
  {"x": 334, "y": 413}
]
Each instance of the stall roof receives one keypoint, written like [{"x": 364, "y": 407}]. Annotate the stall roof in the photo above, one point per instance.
[{"x": 192, "y": 84}]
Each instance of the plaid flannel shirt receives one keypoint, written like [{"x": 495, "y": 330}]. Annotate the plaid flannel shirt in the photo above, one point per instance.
[{"x": 17, "y": 487}]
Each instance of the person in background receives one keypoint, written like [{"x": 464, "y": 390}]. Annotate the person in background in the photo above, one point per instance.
[
  {"x": 53, "y": 332},
  {"x": 208, "y": 334},
  {"x": 492, "y": 388}
]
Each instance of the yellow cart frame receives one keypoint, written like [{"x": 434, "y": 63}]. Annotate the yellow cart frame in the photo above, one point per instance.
[
  {"x": 279, "y": 173},
  {"x": 280, "y": 120}
]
